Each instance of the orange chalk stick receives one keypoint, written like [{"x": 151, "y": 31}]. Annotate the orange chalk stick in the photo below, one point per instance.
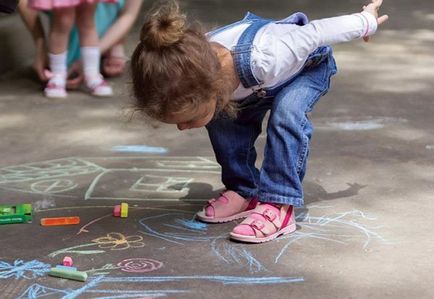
[{"x": 60, "y": 221}]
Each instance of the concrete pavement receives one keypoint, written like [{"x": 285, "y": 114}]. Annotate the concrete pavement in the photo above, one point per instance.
[{"x": 365, "y": 231}]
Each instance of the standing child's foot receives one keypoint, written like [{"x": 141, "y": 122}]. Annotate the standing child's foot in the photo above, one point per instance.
[
  {"x": 227, "y": 207},
  {"x": 99, "y": 87},
  {"x": 267, "y": 222},
  {"x": 55, "y": 87}
]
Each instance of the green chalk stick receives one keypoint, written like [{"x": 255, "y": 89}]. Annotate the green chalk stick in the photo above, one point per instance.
[{"x": 68, "y": 274}]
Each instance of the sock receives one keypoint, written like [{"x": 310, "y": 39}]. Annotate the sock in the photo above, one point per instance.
[
  {"x": 91, "y": 59},
  {"x": 58, "y": 66}
]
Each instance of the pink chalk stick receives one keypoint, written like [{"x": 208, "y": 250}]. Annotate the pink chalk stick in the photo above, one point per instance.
[
  {"x": 67, "y": 261},
  {"x": 117, "y": 211}
]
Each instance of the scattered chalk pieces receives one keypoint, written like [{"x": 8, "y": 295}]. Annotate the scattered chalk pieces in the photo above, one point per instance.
[
  {"x": 121, "y": 210},
  {"x": 124, "y": 210},
  {"x": 60, "y": 221},
  {"x": 67, "y": 261},
  {"x": 117, "y": 211}
]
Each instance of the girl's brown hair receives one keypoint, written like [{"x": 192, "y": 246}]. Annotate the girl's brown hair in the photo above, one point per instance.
[{"x": 174, "y": 69}]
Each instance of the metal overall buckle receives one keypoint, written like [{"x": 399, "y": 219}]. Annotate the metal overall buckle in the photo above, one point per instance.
[{"x": 260, "y": 92}]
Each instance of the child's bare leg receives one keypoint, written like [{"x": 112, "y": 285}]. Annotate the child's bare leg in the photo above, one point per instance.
[
  {"x": 86, "y": 25},
  {"x": 61, "y": 25},
  {"x": 90, "y": 51}
]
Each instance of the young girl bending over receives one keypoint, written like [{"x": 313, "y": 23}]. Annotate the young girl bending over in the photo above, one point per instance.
[
  {"x": 65, "y": 12},
  {"x": 227, "y": 80}
]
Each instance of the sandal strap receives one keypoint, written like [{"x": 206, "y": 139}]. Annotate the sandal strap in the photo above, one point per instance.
[
  {"x": 252, "y": 203},
  {"x": 262, "y": 228},
  {"x": 265, "y": 221},
  {"x": 213, "y": 201},
  {"x": 269, "y": 214},
  {"x": 228, "y": 203}
]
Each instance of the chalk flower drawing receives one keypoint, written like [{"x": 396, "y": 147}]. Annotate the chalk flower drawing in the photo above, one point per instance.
[
  {"x": 112, "y": 241},
  {"x": 117, "y": 241},
  {"x": 22, "y": 269}
]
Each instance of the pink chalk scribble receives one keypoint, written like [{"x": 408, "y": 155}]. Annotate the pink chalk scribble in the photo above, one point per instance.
[{"x": 139, "y": 265}]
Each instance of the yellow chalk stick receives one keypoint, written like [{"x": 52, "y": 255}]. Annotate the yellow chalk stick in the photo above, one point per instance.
[{"x": 124, "y": 210}]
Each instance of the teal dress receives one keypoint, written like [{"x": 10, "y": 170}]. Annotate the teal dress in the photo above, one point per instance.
[{"x": 105, "y": 15}]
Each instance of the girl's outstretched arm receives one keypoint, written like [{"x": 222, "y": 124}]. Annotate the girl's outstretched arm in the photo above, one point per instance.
[
  {"x": 373, "y": 8},
  {"x": 337, "y": 30},
  {"x": 283, "y": 48}
]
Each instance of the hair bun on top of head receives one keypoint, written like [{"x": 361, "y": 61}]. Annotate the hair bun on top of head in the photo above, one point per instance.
[{"x": 164, "y": 27}]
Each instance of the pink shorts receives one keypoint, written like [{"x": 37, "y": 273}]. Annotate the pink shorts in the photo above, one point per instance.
[{"x": 53, "y": 4}]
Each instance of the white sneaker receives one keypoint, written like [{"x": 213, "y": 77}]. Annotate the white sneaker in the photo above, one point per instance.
[
  {"x": 99, "y": 87},
  {"x": 55, "y": 88}
]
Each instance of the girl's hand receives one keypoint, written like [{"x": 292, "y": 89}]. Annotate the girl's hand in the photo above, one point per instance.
[
  {"x": 75, "y": 76},
  {"x": 373, "y": 8}
]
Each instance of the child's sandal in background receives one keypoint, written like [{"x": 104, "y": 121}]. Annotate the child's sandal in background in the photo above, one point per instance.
[
  {"x": 55, "y": 88},
  {"x": 99, "y": 87}
]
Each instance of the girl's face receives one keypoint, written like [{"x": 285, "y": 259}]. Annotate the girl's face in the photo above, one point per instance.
[{"x": 199, "y": 118}]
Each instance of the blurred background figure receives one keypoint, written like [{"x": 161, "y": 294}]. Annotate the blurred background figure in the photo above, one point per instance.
[
  {"x": 113, "y": 22},
  {"x": 8, "y": 6}
]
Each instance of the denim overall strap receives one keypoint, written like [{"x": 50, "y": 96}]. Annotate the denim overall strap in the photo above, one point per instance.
[
  {"x": 242, "y": 53},
  {"x": 243, "y": 50},
  {"x": 248, "y": 18}
]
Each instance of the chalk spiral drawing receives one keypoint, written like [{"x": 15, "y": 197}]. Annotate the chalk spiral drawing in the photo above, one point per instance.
[
  {"x": 139, "y": 265},
  {"x": 133, "y": 265}
]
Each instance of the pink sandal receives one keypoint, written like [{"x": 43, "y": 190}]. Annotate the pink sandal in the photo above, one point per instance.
[
  {"x": 229, "y": 206},
  {"x": 266, "y": 223}
]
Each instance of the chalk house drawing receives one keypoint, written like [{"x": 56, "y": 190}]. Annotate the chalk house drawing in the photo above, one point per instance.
[
  {"x": 154, "y": 183},
  {"x": 137, "y": 178}
]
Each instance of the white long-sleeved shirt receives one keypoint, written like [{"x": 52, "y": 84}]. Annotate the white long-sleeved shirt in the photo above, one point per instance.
[{"x": 280, "y": 50}]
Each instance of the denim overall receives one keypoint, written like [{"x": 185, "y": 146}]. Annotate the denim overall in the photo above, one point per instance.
[{"x": 289, "y": 129}]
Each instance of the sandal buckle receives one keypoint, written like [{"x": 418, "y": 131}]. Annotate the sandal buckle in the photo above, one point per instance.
[
  {"x": 270, "y": 215},
  {"x": 257, "y": 224}
]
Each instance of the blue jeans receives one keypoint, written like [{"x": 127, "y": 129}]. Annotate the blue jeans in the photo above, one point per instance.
[{"x": 288, "y": 135}]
